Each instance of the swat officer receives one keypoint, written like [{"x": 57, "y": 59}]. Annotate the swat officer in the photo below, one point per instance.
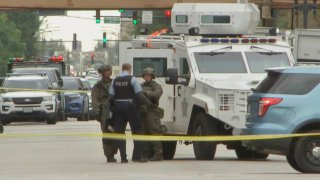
[
  {"x": 150, "y": 117},
  {"x": 125, "y": 90},
  {"x": 101, "y": 106}
]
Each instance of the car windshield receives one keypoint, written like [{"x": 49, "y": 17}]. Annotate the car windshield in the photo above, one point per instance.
[
  {"x": 50, "y": 73},
  {"x": 220, "y": 62},
  {"x": 288, "y": 83},
  {"x": 71, "y": 84},
  {"x": 26, "y": 83},
  {"x": 259, "y": 61}
]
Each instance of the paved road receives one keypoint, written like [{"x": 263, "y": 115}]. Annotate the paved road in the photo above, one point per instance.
[{"x": 77, "y": 158}]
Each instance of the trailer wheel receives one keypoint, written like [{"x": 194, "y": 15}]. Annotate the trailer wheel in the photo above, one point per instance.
[
  {"x": 307, "y": 153},
  {"x": 245, "y": 154},
  {"x": 169, "y": 149},
  {"x": 204, "y": 126}
]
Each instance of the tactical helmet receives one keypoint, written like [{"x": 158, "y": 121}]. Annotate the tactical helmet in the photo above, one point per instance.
[
  {"x": 150, "y": 71},
  {"x": 104, "y": 68}
]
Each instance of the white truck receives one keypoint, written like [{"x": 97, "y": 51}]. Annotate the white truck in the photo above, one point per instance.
[
  {"x": 306, "y": 48},
  {"x": 20, "y": 105},
  {"x": 207, "y": 69}
]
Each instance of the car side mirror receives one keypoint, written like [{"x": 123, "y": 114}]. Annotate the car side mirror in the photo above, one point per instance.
[{"x": 172, "y": 76}]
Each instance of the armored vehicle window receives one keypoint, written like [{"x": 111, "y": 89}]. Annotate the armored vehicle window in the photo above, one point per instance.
[
  {"x": 26, "y": 83},
  {"x": 184, "y": 67},
  {"x": 220, "y": 62},
  {"x": 285, "y": 83},
  {"x": 181, "y": 18},
  {"x": 259, "y": 61},
  {"x": 158, "y": 64},
  {"x": 214, "y": 19}
]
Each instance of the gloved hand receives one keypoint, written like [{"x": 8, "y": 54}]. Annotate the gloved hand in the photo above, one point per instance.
[{"x": 146, "y": 93}]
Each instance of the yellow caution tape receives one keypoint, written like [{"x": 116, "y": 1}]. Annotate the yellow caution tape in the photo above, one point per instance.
[
  {"x": 165, "y": 137},
  {"x": 44, "y": 90}
]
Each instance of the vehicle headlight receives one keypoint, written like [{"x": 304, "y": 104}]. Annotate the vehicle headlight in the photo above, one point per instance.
[
  {"x": 7, "y": 99},
  {"x": 47, "y": 98},
  {"x": 74, "y": 96}
]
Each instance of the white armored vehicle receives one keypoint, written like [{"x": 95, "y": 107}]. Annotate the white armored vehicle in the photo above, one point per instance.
[{"x": 207, "y": 71}]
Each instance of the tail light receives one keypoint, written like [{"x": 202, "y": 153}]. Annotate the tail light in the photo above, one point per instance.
[{"x": 265, "y": 103}]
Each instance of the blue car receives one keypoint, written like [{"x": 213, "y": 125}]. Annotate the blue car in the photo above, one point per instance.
[
  {"x": 76, "y": 103},
  {"x": 287, "y": 102}
]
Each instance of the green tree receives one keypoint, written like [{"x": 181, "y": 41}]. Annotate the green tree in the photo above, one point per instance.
[
  {"x": 10, "y": 42},
  {"x": 28, "y": 23}
]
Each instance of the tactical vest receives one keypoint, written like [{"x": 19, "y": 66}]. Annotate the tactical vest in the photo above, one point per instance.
[
  {"x": 123, "y": 88},
  {"x": 150, "y": 86},
  {"x": 103, "y": 90}
]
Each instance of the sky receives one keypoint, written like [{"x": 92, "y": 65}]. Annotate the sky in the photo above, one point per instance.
[{"x": 83, "y": 24}]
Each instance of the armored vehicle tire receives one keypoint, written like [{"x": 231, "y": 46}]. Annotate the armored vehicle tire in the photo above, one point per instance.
[
  {"x": 307, "y": 153},
  {"x": 245, "y": 154},
  {"x": 204, "y": 126},
  {"x": 292, "y": 162},
  {"x": 169, "y": 149}
]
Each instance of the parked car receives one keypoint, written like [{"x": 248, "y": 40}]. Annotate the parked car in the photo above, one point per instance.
[
  {"x": 21, "y": 105},
  {"x": 55, "y": 78},
  {"x": 76, "y": 103},
  {"x": 287, "y": 102},
  {"x": 1, "y": 125},
  {"x": 88, "y": 88},
  {"x": 92, "y": 74}
]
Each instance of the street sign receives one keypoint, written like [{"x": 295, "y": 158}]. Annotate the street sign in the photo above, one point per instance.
[
  {"x": 147, "y": 17},
  {"x": 112, "y": 20}
]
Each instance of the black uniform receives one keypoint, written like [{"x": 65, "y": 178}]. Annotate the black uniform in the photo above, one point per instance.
[{"x": 125, "y": 111}]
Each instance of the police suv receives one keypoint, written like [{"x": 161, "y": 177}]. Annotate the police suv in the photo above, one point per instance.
[
  {"x": 17, "y": 104},
  {"x": 207, "y": 70}
]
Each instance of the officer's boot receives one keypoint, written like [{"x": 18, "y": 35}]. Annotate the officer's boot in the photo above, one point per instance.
[
  {"x": 111, "y": 159},
  {"x": 122, "y": 149},
  {"x": 157, "y": 147},
  {"x": 145, "y": 152}
]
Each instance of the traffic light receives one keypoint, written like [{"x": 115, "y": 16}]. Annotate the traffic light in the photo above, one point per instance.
[
  {"x": 121, "y": 10},
  {"x": 135, "y": 18},
  {"x": 74, "y": 42},
  {"x": 104, "y": 40},
  {"x": 98, "y": 17}
]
